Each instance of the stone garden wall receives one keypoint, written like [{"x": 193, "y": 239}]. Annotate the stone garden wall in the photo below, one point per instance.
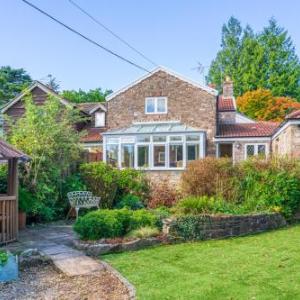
[{"x": 204, "y": 227}]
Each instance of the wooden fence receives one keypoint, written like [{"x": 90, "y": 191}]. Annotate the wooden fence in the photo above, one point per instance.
[{"x": 8, "y": 219}]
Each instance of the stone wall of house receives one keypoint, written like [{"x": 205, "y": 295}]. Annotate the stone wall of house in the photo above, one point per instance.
[
  {"x": 173, "y": 177},
  {"x": 227, "y": 117},
  {"x": 239, "y": 148},
  {"x": 287, "y": 143},
  {"x": 186, "y": 103},
  {"x": 211, "y": 227}
]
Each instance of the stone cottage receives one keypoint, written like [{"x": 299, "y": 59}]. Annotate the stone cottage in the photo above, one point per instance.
[{"x": 162, "y": 121}]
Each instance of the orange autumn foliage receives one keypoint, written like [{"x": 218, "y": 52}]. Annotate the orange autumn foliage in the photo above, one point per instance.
[{"x": 261, "y": 105}]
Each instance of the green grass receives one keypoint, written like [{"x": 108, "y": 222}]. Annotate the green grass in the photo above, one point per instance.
[{"x": 264, "y": 266}]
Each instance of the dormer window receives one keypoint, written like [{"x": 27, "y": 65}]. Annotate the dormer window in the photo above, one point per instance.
[
  {"x": 100, "y": 119},
  {"x": 156, "y": 105}
]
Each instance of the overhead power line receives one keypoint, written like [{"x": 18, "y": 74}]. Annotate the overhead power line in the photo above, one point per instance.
[
  {"x": 112, "y": 33},
  {"x": 85, "y": 37}
]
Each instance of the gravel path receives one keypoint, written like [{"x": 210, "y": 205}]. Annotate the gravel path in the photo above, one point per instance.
[{"x": 43, "y": 281}]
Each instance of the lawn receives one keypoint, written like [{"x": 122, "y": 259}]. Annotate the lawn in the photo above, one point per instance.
[{"x": 264, "y": 266}]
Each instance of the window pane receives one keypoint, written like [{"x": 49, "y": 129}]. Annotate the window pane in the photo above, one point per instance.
[
  {"x": 159, "y": 138},
  {"x": 112, "y": 140},
  {"x": 193, "y": 138},
  {"x": 127, "y": 156},
  {"x": 192, "y": 152},
  {"x": 150, "y": 105},
  {"x": 143, "y": 156},
  {"x": 112, "y": 155},
  {"x": 161, "y": 105},
  {"x": 143, "y": 139},
  {"x": 250, "y": 150},
  {"x": 159, "y": 156},
  {"x": 99, "y": 119},
  {"x": 176, "y": 156},
  {"x": 261, "y": 150},
  {"x": 175, "y": 138}
]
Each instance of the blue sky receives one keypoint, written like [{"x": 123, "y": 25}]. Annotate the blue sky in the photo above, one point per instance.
[{"x": 176, "y": 34}]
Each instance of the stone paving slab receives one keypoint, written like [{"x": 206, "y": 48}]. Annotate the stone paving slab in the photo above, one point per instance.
[{"x": 54, "y": 242}]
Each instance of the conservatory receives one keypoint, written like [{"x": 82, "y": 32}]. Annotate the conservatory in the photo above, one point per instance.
[{"x": 153, "y": 146}]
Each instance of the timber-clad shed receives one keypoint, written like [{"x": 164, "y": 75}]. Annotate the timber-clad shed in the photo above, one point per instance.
[{"x": 9, "y": 199}]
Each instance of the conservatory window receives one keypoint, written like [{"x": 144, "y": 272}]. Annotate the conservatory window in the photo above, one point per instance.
[
  {"x": 192, "y": 151},
  {"x": 154, "y": 151},
  {"x": 112, "y": 155},
  {"x": 127, "y": 156},
  {"x": 176, "y": 156},
  {"x": 143, "y": 156},
  {"x": 159, "y": 155}
]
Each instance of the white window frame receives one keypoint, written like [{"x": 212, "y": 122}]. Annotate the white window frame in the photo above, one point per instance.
[
  {"x": 256, "y": 149},
  {"x": 119, "y": 140},
  {"x": 155, "y": 105},
  {"x": 102, "y": 116}
]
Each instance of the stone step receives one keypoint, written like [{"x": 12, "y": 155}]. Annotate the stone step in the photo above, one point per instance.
[{"x": 70, "y": 261}]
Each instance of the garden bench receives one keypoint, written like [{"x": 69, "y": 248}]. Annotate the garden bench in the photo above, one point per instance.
[{"x": 82, "y": 199}]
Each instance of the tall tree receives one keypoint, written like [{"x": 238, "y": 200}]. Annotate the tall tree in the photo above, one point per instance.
[
  {"x": 227, "y": 59},
  {"x": 12, "y": 82},
  {"x": 47, "y": 134},
  {"x": 281, "y": 64},
  {"x": 262, "y": 105},
  {"x": 257, "y": 60},
  {"x": 80, "y": 96}
]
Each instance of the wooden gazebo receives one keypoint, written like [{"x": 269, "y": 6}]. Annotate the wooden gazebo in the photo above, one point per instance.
[{"x": 9, "y": 200}]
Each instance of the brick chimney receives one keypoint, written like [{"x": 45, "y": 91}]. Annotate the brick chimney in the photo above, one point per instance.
[{"x": 227, "y": 88}]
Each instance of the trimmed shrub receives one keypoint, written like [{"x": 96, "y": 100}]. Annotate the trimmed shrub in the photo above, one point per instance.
[
  {"x": 142, "y": 218},
  {"x": 113, "y": 223},
  {"x": 130, "y": 201},
  {"x": 102, "y": 180},
  {"x": 162, "y": 194}
]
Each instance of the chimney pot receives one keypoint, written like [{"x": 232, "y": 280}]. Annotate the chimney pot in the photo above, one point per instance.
[{"x": 228, "y": 88}]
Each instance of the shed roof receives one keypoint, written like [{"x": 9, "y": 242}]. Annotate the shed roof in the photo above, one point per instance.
[{"x": 7, "y": 151}]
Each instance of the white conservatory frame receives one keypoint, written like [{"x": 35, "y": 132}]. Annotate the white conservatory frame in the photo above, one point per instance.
[{"x": 132, "y": 140}]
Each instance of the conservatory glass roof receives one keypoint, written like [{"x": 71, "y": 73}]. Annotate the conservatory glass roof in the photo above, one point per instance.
[{"x": 153, "y": 128}]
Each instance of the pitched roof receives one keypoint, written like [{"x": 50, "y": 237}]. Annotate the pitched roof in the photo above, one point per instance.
[
  {"x": 258, "y": 129},
  {"x": 162, "y": 69},
  {"x": 293, "y": 115},
  {"x": 8, "y": 151},
  {"x": 226, "y": 104},
  {"x": 93, "y": 135},
  {"x": 90, "y": 107},
  {"x": 29, "y": 89}
]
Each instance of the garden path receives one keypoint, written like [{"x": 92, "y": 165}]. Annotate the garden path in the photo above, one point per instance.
[{"x": 55, "y": 241}]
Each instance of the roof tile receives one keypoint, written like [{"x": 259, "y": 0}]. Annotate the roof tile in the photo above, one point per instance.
[
  {"x": 226, "y": 104},
  {"x": 259, "y": 129}
]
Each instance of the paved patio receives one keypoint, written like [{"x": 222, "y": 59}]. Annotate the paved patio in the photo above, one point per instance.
[{"x": 56, "y": 241}]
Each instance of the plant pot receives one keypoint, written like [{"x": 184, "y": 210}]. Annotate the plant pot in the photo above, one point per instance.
[{"x": 22, "y": 220}]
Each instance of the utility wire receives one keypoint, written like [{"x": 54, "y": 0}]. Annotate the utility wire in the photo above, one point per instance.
[
  {"x": 86, "y": 38},
  {"x": 112, "y": 33}
]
